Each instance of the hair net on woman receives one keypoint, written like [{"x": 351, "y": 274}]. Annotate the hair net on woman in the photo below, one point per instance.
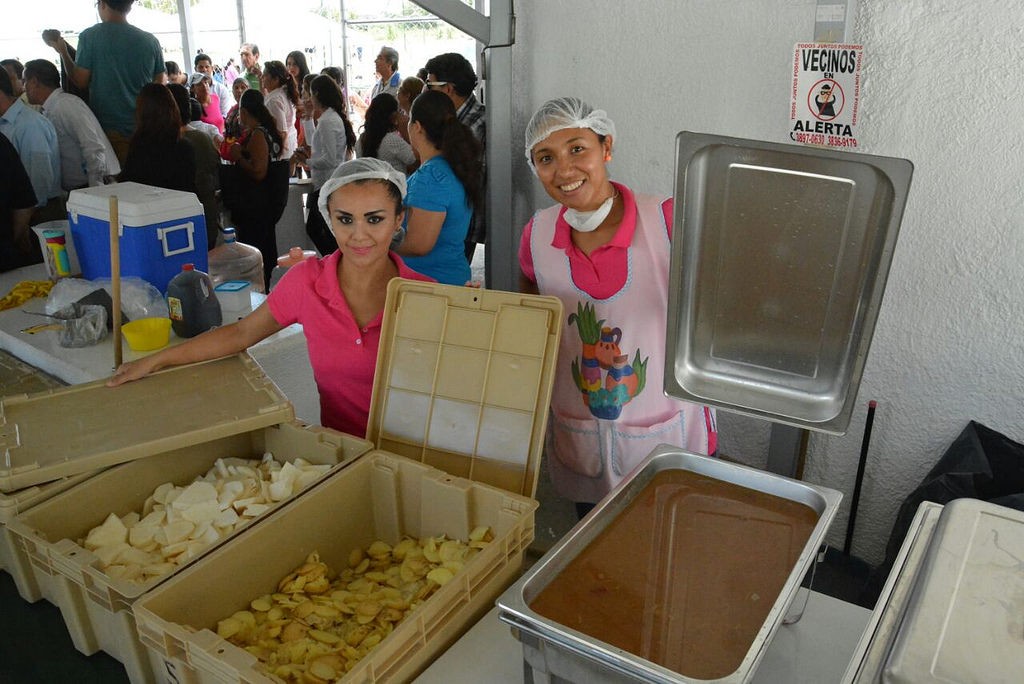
[
  {"x": 565, "y": 112},
  {"x": 363, "y": 168}
]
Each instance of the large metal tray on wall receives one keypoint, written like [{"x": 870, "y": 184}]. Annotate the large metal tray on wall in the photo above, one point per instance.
[{"x": 779, "y": 260}]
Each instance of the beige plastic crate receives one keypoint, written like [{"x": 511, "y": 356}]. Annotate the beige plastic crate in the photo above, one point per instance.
[
  {"x": 58, "y": 433},
  {"x": 380, "y": 496},
  {"x": 17, "y": 502},
  {"x": 458, "y": 415},
  {"x": 464, "y": 378},
  {"x": 97, "y": 608}
]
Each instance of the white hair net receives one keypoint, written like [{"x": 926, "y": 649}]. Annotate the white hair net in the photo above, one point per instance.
[
  {"x": 565, "y": 112},
  {"x": 363, "y": 168}
]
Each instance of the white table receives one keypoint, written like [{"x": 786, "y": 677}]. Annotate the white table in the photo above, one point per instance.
[
  {"x": 283, "y": 356},
  {"x": 815, "y": 650}
]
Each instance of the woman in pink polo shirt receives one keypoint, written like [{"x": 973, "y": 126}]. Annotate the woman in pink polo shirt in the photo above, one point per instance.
[
  {"x": 339, "y": 299},
  {"x": 604, "y": 251}
]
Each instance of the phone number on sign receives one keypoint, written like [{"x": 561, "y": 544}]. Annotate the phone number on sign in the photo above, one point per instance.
[
  {"x": 835, "y": 141},
  {"x": 810, "y": 138},
  {"x": 819, "y": 139}
]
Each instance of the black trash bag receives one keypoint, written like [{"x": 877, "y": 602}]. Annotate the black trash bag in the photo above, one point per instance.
[{"x": 980, "y": 464}]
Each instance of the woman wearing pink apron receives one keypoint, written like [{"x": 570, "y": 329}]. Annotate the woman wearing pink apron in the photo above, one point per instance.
[{"x": 604, "y": 251}]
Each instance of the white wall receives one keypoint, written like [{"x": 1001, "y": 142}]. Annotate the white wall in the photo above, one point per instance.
[{"x": 940, "y": 87}]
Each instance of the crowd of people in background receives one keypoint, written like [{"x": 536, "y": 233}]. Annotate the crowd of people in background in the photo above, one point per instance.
[
  {"x": 111, "y": 109},
  {"x": 401, "y": 197}
]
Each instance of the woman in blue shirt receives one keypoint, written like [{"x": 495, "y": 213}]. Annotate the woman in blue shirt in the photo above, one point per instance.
[{"x": 442, "y": 192}]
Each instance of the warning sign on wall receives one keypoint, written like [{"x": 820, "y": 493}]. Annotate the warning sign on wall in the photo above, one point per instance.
[{"x": 826, "y": 91}]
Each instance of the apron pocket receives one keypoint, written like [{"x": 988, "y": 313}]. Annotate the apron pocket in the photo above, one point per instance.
[
  {"x": 577, "y": 445},
  {"x": 630, "y": 444}
]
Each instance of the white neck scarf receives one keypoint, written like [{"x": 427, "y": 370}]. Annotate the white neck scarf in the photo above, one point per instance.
[{"x": 588, "y": 221}]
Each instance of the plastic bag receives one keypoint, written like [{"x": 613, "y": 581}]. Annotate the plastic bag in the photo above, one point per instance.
[
  {"x": 980, "y": 464},
  {"x": 139, "y": 299},
  {"x": 82, "y": 324}
]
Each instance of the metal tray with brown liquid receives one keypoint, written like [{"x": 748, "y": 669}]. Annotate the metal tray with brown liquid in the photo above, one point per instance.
[{"x": 681, "y": 574}]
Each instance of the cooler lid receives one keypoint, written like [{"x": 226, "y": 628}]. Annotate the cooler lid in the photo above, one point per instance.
[
  {"x": 780, "y": 255},
  {"x": 963, "y": 620},
  {"x": 54, "y": 434},
  {"x": 137, "y": 204},
  {"x": 463, "y": 380}
]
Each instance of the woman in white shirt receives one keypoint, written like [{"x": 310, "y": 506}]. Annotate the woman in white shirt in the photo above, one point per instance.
[
  {"x": 332, "y": 143},
  {"x": 281, "y": 100}
]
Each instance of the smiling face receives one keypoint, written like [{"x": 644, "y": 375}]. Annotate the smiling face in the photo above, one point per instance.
[
  {"x": 570, "y": 164},
  {"x": 364, "y": 219}
]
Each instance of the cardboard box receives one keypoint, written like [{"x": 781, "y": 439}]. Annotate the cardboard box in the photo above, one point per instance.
[
  {"x": 458, "y": 416},
  {"x": 160, "y": 230}
]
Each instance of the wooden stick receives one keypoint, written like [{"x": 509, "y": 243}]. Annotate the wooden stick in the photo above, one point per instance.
[{"x": 115, "y": 279}]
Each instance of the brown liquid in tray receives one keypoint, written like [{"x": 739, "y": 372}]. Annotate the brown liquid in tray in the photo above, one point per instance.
[{"x": 685, "y": 576}]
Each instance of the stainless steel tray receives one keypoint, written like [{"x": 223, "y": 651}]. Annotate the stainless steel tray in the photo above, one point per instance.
[
  {"x": 779, "y": 260},
  {"x": 872, "y": 652},
  {"x": 963, "y": 622},
  {"x": 577, "y": 657}
]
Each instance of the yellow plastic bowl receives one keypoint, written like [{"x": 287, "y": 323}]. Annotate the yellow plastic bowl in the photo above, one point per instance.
[{"x": 147, "y": 334}]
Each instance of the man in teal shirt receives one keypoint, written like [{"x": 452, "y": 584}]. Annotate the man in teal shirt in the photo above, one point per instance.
[{"x": 114, "y": 60}]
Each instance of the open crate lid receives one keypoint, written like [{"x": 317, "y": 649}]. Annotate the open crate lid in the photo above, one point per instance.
[
  {"x": 463, "y": 380},
  {"x": 780, "y": 255},
  {"x": 53, "y": 434}
]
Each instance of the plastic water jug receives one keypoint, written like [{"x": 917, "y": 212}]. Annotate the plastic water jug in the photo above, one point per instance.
[
  {"x": 234, "y": 260},
  {"x": 192, "y": 303}
]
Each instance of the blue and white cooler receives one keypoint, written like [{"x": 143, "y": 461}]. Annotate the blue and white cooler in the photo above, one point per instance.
[{"x": 160, "y": 230}]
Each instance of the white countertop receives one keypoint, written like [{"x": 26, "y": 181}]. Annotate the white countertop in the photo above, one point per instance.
[
  {"x": 283, "y": 356},
  {"x": 814, "y": 650}
]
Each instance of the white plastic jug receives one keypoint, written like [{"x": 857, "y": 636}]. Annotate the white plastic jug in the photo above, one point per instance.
[{"x": 234, "y": 260}]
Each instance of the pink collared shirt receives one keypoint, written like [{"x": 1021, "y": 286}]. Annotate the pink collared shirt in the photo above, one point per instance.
[
  {"x": 604, "y": 271},
  {"x": 343, "y": 354}
]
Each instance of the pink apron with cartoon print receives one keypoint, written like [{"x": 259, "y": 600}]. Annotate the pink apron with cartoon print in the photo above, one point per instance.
[{"x": 608, "y": 407}]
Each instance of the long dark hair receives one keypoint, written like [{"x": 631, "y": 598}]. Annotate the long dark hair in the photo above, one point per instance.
[
  {"x": 183, "y": 100},
  {"x": 157, "y": 119},
  {"x": 325, "y": 89},
  {"x": 299, "y": 58},
  {"x": 380, "y": 120},
  {"x": 252, "y": 102},
  {"x": 277, "y": 69},
  {"x": 435, "y": 111},
  {"x": 336, "y": 73}
]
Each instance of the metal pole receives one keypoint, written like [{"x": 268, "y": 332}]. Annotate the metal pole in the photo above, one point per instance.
[
  {"x": 855, "y": 501},
  {"x": 497, "y": 32},
  {"x": 241, "y": 21},
  {"x": 344, "y": 54},
  {"x": 188, "y": 39}
]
